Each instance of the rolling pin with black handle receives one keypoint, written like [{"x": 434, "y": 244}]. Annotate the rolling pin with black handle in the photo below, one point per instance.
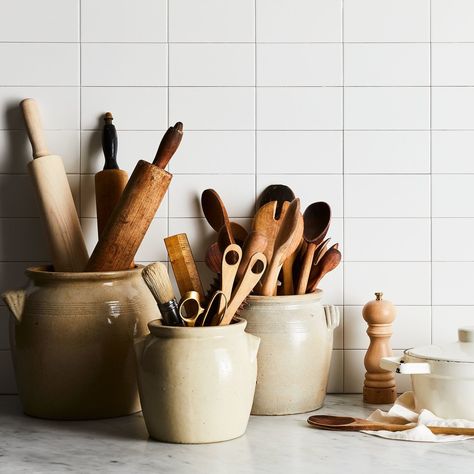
[
  {"x": 66, "y": 241},
  {"x": 111, "y": 181},
  {"x": 137, "y": 207}
]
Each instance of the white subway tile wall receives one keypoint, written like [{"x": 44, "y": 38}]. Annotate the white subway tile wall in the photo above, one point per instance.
[{"x": 366, "y": 104}]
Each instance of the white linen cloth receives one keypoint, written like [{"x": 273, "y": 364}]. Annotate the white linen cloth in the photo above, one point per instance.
[{"x": 403, "y": 411}]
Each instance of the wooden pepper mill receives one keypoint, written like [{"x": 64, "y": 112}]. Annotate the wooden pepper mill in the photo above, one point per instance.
[{"x": 379, "y": 384}]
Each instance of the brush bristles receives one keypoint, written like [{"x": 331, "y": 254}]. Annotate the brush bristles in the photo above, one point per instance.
[{"x": 158, "y": 281}]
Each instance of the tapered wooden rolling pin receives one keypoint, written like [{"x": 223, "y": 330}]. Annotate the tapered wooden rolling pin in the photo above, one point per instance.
[
  {"x": 134, "y": 212},
  {"x": 66, "y": 241},
  {"x": 111, "y": 181}
]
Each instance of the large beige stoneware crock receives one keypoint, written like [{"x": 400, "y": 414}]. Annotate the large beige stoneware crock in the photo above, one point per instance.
[
  {"x": 196, "y": 383},
  {"x": 296, "y": 335},
  {"x": 72, "y": 342}
]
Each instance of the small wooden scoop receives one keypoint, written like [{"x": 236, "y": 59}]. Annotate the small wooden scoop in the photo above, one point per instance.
[{"x": 347, "y": 423}]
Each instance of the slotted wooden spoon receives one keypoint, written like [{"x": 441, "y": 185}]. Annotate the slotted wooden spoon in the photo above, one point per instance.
[{"x": 347, "y": 423}]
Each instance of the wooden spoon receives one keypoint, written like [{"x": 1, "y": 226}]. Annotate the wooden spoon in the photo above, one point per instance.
[
  {"x": 213, "y": 258},
  {"x": 265, "y": 221},
  {"x": 347, "y": 423},
  {"x": 286, "y": 243},
  {"x": 216, "y": 213},
  {"x": 317, "y": 218},
  {"x": 255, "y": 242},
  {"x": 329, "y": 261},
  {"x": 230, "y": 263},
  {"x": 276, "y": 192},
  {"x": 238, "y": 233}
]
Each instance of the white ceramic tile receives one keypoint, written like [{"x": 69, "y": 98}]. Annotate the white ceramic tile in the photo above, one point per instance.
[
  {"x": 48, "y": 20},
  {"x": 309, "y": 188},
  {"x": 452, "y": 151},
  {"x": 451, "y": 20},
  {"x": 293, "y": 21},
  {"x": 386, "y": 108},
  {"x": 386, "y": 152},
  {"x": 452, "y": 283},
  {"x": 453, "y": 195},
  {"x": 18, "y": 198},
  {"x": 89, "y": 229},
  {"x": 411, "y": 327},
  {"x": 301, "y": 152},
  {"x": 237, "y": 192},
  {"x": 452, "y": 108},
  {"x": 387, "y": 196},
  {"x": 132, "y": 146},
  {"x": 5, "y": 316},
  {"x": 134, "y": 108},
  {"x": 215, "y": 152},
  {"x": 299, "y": 108},
  {"x": 15, "y": 149},
  {"x": 212, "y": 21},
  {"x": 219, "y": 64},
  {"x": 124, "y": 64},
  {"x": 216, "y": 108},
  {"x": 12, "y": 276},
  {"x": 403, "y": 283},
  {"x": 332, "y": 287},
  {"x": 404, "y": 240},
  {"x": 59, "y": 107},
  {"x": 299, "y": 64},
  {"x": 387, "y": 64},
  {"x": 7, "y": 380},
  {"x": 449, "y": 64},
  {"x": 447, "y": 320},
  {"x": 123, "y": 21},
  {"x": 88, "y": 205},
  {"x": 336, "y": 378},
  {"x": 354, "y": 373},
  {"x": 39, "y": 64},
  {"x": 451, "y": 241},
  {"x": 386, "y": 20},
  {"x": 153, "y": 247},
  {"x": 16, "y": 242}
]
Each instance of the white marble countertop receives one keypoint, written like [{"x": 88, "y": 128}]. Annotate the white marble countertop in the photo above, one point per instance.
[{"x": 272, "y": 444}]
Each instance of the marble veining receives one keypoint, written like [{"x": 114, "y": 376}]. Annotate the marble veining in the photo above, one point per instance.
[{"x": 271, "y": 445}]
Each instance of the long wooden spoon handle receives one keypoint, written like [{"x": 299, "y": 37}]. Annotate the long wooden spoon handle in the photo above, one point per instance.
[
  {"x": 34, "y": 127},
  {"x": 305, "y": 269},
  {"x": 230, "y": 263},
  {"x": 270, "y": 280}
]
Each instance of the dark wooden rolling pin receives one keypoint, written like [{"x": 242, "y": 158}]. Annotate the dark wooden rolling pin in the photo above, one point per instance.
[
  {"x": 111, "y": 181},
  {"x": 137, "y": 207}
]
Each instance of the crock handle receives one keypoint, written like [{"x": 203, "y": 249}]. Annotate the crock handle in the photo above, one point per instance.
[
  {"x": 332, "y": 316},
  {"x": 398, "y": 365},
  {"x": 15, "y": 300}
]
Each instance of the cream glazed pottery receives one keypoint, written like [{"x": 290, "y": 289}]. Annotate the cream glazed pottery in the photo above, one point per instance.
[
  {"x": 442, "y": 376},
  {"x": 196, "y": 383},
  {"x": 296, "y": 334},
  {"x": 72, "y": 342}
]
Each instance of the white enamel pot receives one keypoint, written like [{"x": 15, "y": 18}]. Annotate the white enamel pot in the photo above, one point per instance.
[{"x": 442, "y": 375}]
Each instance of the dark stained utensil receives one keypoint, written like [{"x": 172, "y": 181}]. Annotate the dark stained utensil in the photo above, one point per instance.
[
  {"x": 329, "y": 261},
  {"x": 276, "y": 192},
  {"x": 239, "y": 234},
  {"x": 213, "y": 258},
  {"x": 216, "y": 213},
  {"x": 317, "y": 218},
  {"x": 348, "y": 423}
]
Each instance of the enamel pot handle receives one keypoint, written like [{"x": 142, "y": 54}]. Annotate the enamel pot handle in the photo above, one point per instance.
[{"x": 398, "y": 365}]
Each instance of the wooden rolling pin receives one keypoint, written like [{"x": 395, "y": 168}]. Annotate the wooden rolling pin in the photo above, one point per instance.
[
  {"x": 137, "y": 207},
  {"x": 111, "y": 181},
  {"x": 66, "y": 241}
]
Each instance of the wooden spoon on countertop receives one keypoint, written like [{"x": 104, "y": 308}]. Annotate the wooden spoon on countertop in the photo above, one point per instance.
[
  {"x": 317, "y": 218},
  {"x": 286, "y": 242},
  {"x": 347, "y": 423},
  {"x": 216, "y": 213},
  {"x": 329, "y": 261}
]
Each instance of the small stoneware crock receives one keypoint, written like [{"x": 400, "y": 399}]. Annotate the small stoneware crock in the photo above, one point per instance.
[
  {"x": 442, "y": 376},
  {"x": 296, "y": 335},
  {"x": 196, "y": 383},
  {"x": 72, "y": 342}
]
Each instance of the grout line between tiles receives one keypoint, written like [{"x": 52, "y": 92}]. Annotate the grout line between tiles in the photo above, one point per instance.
[
  {"x": 431, "y": 173},
  {"x": 80, "y": 109},
  {"x": 343, "y": 194}
]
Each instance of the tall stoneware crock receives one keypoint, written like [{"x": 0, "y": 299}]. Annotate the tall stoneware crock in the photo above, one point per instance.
[
  {"x": 197, "y": 383},
  {"x": 296, "y": 335},
  {"x": 72, "y": 342}
]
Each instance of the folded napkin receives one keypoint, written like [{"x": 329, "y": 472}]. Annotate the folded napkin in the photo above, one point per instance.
[{"x": 403, "y": 412}]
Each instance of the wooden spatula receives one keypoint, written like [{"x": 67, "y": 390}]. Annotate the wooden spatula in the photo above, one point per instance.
[
  {"x": 284, "y": 245},
  {"x": 347, "y": 423},
  {"x": 265, "y": 222}
]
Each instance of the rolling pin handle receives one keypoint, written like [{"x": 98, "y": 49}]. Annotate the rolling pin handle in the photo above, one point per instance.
[{"x": 34, "y": 127}]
